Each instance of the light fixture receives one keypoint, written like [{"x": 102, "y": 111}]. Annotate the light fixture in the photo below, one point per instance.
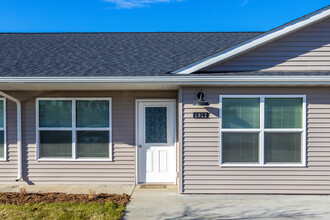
[{"x": 200, "y": 99}]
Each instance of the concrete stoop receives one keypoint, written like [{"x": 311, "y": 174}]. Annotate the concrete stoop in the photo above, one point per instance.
[{"x": 156, "y": 186}]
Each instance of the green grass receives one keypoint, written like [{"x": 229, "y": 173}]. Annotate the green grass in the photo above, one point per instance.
[{"x": 62, "y": 211}]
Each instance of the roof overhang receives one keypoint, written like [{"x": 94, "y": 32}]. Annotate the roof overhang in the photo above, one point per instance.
[
  {"x": 256, "y": 42},
  {"x": 155, "y": 83}
]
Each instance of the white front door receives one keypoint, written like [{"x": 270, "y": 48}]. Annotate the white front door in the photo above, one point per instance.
[{"x": 156, "y": 142}]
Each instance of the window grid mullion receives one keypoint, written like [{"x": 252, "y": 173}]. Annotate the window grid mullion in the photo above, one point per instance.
[
  {"x": 92, "y": 129},
  {"x": 284, "y": 130},
  {"x": 241, "y": 130},
  {"x": 54, "y": 129}
]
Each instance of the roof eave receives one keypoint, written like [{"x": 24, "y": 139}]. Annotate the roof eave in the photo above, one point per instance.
[{"x": 179, "y": 80}]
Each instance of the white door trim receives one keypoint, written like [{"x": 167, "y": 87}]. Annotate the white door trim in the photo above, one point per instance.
[{"x": 137, "y": 131}]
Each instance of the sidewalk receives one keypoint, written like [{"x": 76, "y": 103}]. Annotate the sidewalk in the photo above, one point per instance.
[{"x": 168, "y": 204}]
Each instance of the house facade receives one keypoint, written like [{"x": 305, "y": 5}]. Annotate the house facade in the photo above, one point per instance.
[{"x": 209, "y": 112}]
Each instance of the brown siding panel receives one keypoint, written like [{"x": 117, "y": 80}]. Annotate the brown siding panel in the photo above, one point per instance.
[{"x": 201, "y": 170}]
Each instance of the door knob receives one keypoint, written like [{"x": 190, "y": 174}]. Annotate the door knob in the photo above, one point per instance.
[{"x": 140, "y": 146}]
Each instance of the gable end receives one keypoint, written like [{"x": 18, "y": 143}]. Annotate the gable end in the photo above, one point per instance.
[
  {"x": 261, "y": 40},
  {"x": 305, "y": 50}
]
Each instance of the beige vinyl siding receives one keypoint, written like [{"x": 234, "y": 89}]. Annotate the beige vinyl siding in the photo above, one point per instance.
[
  {"x": 306, "y": 50},
  {"x": 119, "y": 171},
  {"x": 201, "y": 170},
  {"x": 8, "y": 169}
]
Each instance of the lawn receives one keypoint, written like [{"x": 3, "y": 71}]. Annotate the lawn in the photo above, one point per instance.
[
  {"x": 66, "y": 210},
  {"x": 51, "y": 206}
]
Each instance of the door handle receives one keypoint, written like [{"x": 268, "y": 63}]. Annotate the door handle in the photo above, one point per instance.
[{"x": 140, "y": 146}]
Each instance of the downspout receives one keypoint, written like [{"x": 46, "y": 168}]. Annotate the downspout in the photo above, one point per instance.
[{"x": 19, "y": 135}]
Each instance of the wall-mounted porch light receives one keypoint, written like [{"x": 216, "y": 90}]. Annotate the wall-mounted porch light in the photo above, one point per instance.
[{"x": 200, "y": 99}]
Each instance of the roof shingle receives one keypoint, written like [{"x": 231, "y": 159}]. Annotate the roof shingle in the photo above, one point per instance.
[{"x": 108, "y": 54}]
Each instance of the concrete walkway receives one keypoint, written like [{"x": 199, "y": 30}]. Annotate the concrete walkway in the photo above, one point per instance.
[
  {"x": 74, "y": 189},
  {"x": 168, "y": 204}
]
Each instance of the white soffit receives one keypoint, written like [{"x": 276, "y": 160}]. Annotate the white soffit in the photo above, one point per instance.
[{"x": 257, "y": 41}]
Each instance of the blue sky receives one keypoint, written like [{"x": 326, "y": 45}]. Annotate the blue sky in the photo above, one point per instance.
[{"x": 150, "y": 15}]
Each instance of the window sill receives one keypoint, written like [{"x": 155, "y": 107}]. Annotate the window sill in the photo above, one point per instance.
[
  {"x": 74, "y": 160},
  {"x": 264, "y": 165}
]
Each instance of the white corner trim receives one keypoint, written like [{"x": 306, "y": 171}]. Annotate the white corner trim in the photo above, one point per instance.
[
  {"x": 4, "y": 128},
  {"x": 255, "y": 42}
]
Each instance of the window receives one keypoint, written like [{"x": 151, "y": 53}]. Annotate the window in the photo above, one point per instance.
[
  {"x": 156, "y": 124},
  {"x": 262, "y": 130},
  {"x": 74, "y": 129},
  {"x": 3, "y": 150}
]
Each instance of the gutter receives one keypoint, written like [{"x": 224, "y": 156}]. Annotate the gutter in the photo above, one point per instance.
[
  {"x": 19, "y": 135},
  {"x": 177, "y": 80}
]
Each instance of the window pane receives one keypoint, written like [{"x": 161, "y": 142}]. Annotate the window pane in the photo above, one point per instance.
[
  {"x": 1, "y": 114},
  {"x": 156, "y": 124},
  {"x": 2, "y": 144},
  {"x": 93, "y": 113},
  {"x": 283, "y": 112},
  {"x": 240, "y": 147},
  {"x": 282, "y": 147},
  {"x": 55, "y": 113},
  {"x": 93, "y": 144},
  {"x": 56, "y": 144},
  {"x": 241, "y": 113}
]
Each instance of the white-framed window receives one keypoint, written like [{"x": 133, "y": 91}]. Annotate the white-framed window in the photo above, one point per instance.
[
  {"x": 262, "y": 130},
  {"x": 73, "y": 129},
  {"x": 3, "y": 130}
]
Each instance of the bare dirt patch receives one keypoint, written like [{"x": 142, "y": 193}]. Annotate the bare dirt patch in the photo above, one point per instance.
[{"x": 34, "y": 198}]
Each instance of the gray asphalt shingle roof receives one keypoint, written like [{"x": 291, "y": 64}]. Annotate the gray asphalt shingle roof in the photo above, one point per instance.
[{"x": 108, "y": 54}]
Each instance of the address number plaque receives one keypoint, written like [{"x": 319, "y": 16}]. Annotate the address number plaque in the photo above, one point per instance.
[{"x": 202, "y": 115}]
